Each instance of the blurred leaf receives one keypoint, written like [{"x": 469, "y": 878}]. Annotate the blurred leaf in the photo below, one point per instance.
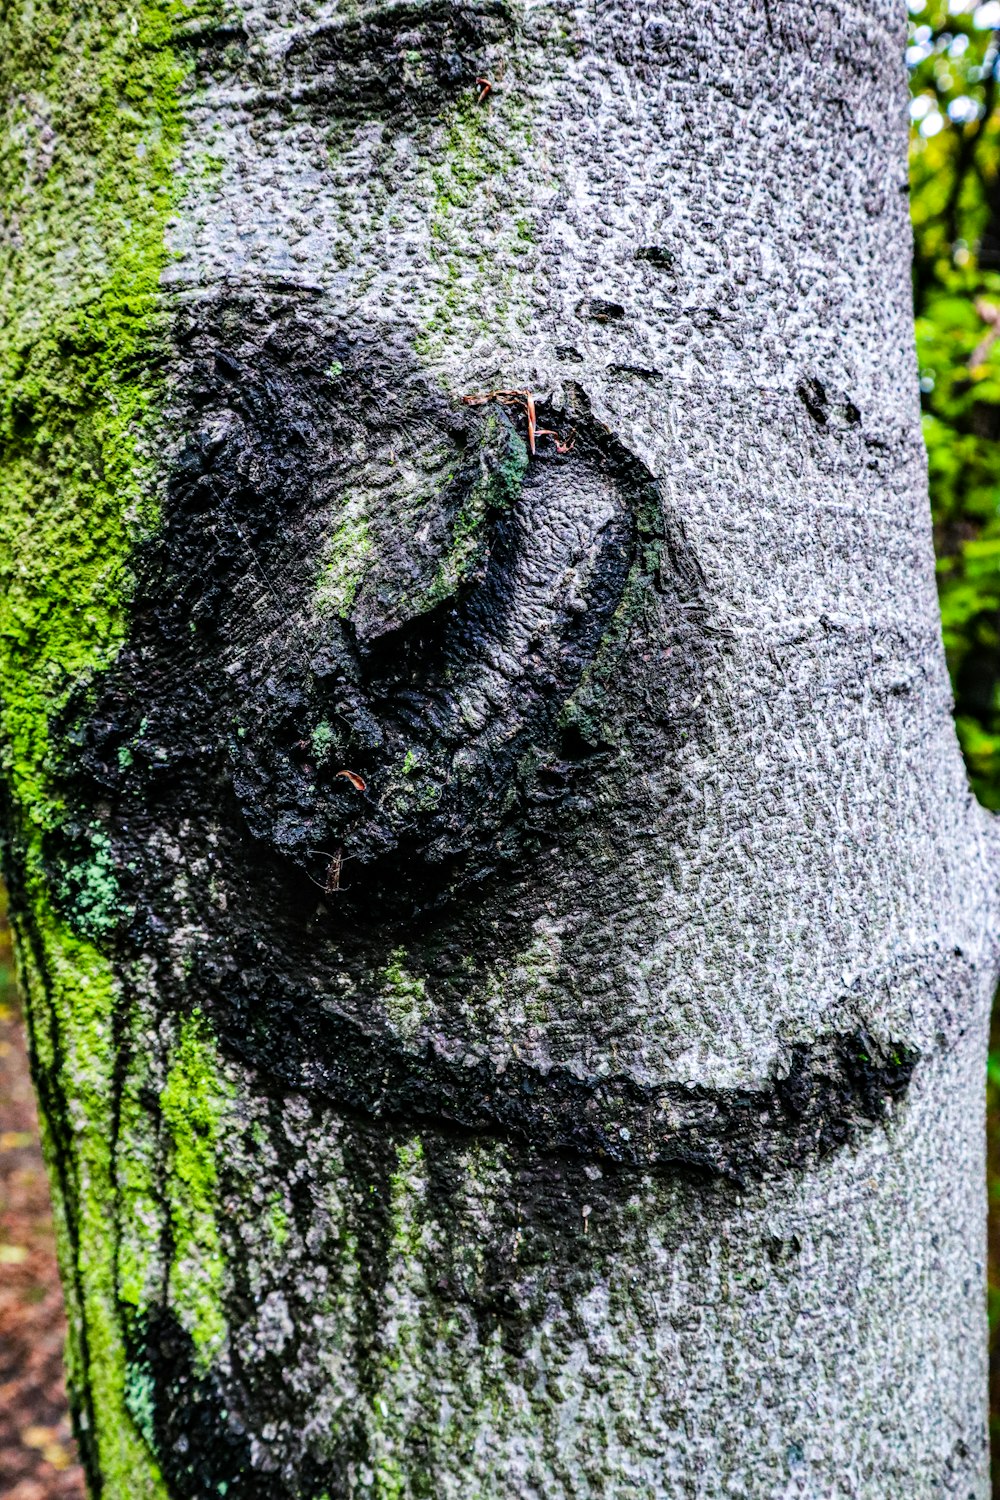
[{"x": 955, "y": 205}]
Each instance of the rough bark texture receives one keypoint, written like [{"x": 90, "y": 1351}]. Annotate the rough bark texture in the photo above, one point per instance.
[{"x": 583, "y": 1097}]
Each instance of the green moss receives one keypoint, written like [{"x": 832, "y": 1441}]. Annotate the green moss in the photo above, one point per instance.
[
  {"x": 321, "y": 742},
  {"x": 141, "y": 1239},
  {"x": 430, "y": 796},
  {"x": 72, "y": 995},
  {"x": 356, "y": 549},
  {"x": 87, "y": 154},
  {"x": 344, "y": 565},
  {"x": 277, "y": 1223},
  {"x": 194, "y": 1104},
  {"x": 78, "y": 307},
  {"x": 481, "y": 148},
  {"x": 503, "y": 463},
  {"x": 464, "y": 162},
  {"x": 406, "y": 1188},
  {"x": 209, "y": 167},
  {"x": 403, "y": 998},
  {"x": 414, "y": 1432},
  {"x": 396, "y": 1419},
  {"x": 519, "y": 993}
]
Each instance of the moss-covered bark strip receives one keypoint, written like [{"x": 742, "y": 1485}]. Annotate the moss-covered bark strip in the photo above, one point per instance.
[
  {"x": 194, "y": 1104},
  {"x": 72, "y": 994},
  {"x": 88, "y": 144}
]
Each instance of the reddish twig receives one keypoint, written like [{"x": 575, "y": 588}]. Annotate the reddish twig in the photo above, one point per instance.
[
  {"x": 526, "y": 401},
  {"x": 560, "y": 445},
  {"x": 357, "y": 782}
]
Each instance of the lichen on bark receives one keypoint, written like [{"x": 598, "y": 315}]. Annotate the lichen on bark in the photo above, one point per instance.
[{"x": 88, "y": 145}]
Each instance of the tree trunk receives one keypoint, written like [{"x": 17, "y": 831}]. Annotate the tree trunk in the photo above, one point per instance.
[{"x": 508, "y": 938}]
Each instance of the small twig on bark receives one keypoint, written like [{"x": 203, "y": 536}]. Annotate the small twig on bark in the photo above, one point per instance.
[
  {"x": 330, "y": 883},
  {"x": 526, "y": 401}
]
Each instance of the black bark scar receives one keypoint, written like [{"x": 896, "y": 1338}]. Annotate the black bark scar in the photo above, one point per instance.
[
  {"x": 819, "y": 1099},
  {"x": 397, "y": 63},
  {"x": 478, "y": 656}
]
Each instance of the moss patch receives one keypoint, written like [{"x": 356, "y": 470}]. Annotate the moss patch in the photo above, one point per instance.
[
  {"x": 87, "y": 152},
  {"x": 344, "y": 565},
  {"x": 194, "y": 1103},
  {"x": 480, "y": 155},
  {"x": 403, "y": 998},
  {"x": 503, "y": 462}
]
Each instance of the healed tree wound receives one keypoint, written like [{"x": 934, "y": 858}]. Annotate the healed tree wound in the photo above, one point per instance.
[{"x": 364, "y": 677}]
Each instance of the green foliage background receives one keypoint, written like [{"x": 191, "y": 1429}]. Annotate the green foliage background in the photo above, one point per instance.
[
  {"x": 955, "y": 188},
  {"x": 954, "y": 58}
]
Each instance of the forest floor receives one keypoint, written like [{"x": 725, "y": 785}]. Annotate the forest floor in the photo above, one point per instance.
[{"x": 37, "y": 1451}]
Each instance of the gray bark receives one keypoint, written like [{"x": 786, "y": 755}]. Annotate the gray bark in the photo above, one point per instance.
[{"x": 595, "y": 1104}]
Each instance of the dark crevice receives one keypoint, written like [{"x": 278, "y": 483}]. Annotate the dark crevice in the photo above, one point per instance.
[{"x": 658, "y": 256}]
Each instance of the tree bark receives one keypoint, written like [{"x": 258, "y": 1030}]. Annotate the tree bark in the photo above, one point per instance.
[{"x": 508, "y": 938}]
